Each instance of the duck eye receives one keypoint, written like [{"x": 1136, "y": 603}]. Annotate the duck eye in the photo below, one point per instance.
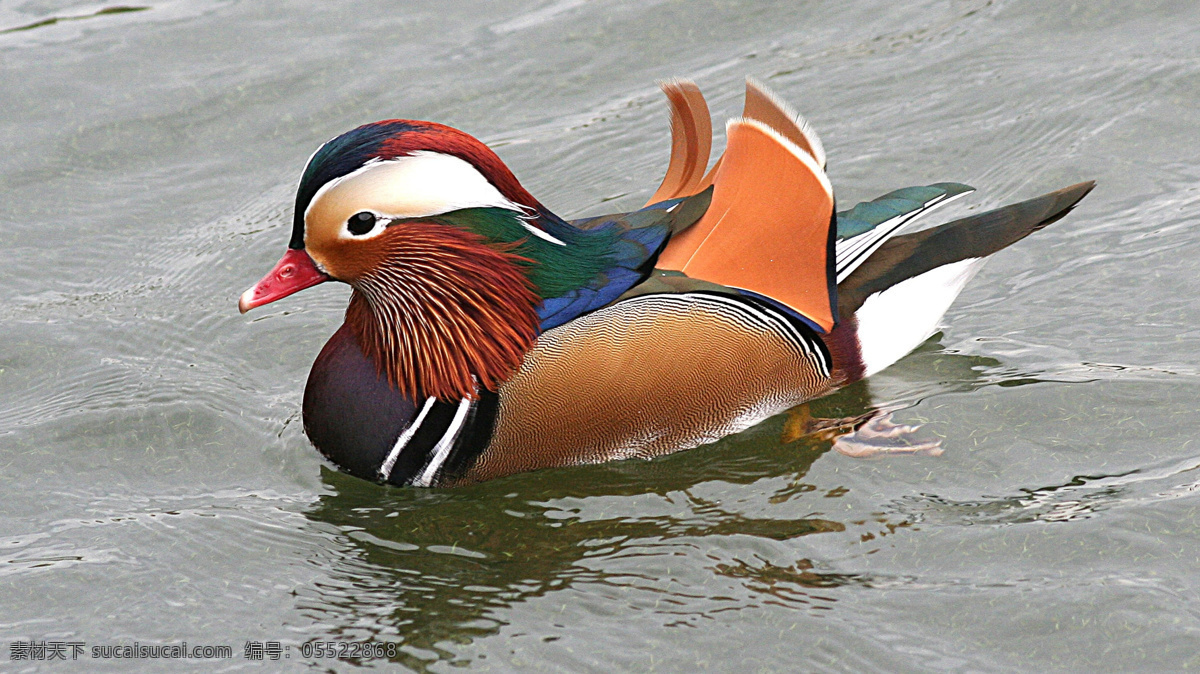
[{"x": 361, "y": 223}]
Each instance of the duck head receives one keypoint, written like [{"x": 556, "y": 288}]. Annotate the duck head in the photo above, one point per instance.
[{"x": 436, "y": 237}]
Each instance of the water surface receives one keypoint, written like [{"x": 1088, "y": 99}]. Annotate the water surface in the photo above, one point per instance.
[{"x": 157, "y": 487}]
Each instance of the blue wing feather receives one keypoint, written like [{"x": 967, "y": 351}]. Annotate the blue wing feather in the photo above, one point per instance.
[{"x": 637, "y": 238}]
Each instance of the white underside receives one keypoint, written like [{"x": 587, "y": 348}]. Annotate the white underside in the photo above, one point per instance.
[{"x": 893, "y": 322}]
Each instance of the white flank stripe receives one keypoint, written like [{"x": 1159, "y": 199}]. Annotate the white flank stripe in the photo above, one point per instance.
[
  {"x": 442, "y": 450},
  {"x": 866, "y": 238},
  {"x": 385, "y": 470},
  {"x": 848, "y": 248},
  {"x": 851, "y": 253},
  {"x": 893, "y": 322}
]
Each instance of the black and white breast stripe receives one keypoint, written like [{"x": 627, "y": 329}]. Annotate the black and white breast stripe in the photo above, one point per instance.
[
  {"x": 444, "y": 438},
  {"x": 389, "y": 463},
  {"x": 759, "y": 314}
]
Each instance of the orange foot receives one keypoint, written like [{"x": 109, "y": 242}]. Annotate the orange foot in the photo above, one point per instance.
[{"x": 864, "y": 436}]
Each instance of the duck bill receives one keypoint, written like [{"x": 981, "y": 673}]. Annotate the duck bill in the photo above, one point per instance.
[{"x": 293, "y": 273}]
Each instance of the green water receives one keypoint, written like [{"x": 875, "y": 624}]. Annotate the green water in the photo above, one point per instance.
[{"x": 155, "y": 484}]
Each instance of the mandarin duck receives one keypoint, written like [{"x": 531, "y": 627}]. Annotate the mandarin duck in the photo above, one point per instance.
[{"x": 487, "y": 336}]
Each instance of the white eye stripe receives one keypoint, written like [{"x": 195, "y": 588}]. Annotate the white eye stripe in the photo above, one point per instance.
[
  {"x": 383, "y": 221},
  {"x": 421, "y": 184}
]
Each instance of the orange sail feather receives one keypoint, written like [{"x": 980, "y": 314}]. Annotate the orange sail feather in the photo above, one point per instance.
[
  {"x": 768, "y": 228},
  {"x": 762, "y": 104},
  {"x": 691, "y": 141}
]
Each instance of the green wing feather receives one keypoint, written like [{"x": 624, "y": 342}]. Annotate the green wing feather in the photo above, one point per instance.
[
  {"x": 870, "y": 214},
  {"x": 864, "y": 228}
]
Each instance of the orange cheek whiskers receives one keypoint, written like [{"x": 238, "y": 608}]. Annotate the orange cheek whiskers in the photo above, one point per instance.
[{"x": 440, "y": 311}]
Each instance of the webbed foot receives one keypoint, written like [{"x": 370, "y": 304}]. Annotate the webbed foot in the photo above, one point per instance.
[
  {"x": 880, "y": 435},
  {"x": 863, "y": 436}
]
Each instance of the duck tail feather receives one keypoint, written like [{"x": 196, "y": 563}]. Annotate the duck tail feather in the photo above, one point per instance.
[
  {"x": 895, "y": 300},
  {"x": 976, "y": 237}
]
